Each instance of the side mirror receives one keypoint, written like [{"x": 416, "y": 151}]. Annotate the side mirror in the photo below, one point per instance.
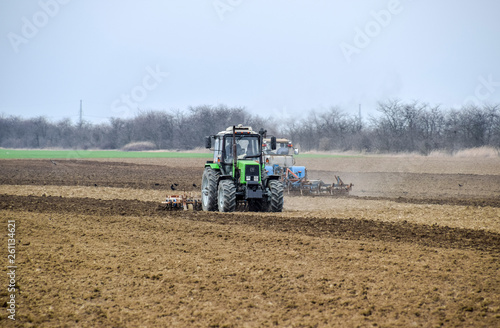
[
  {"x": 208, "y": 142},
  {"x": 296, "y": 151},
  {"x": 273, "y": 143}
]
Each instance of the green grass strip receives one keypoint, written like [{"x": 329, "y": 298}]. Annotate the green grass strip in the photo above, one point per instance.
[{"x": 75, "y": 154}]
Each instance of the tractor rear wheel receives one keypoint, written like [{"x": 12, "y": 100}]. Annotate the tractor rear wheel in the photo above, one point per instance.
[
  {"x": 276, "y": 200},
  {"x": 227, "y": 196},
  {"x": 209, "y": 189}
]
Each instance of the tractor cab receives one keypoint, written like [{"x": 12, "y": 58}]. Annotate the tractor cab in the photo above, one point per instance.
[
  {"x": 241, "y": 146},
  {"x": 283, "y": 147}
]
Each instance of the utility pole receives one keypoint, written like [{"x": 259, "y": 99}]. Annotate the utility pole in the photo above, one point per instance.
[
  {"x": 360, "y": 123},
  {"x": 81, "y": 114}
]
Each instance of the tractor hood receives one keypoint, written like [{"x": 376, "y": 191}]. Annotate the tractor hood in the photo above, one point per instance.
[{"x": 250, "y": 171}]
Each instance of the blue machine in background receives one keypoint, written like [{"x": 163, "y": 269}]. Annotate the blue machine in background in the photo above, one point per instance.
[{"x": 282, "y": 162}]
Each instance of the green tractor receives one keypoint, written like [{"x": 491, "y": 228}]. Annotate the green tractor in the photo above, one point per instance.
[{"x": 236, "y": 178}]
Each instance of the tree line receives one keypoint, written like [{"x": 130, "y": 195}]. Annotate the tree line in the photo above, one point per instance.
[{"x": 399, "y": 127}]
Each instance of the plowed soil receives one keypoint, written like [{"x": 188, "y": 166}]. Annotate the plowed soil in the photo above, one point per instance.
[{"x": 417, "y": 243}]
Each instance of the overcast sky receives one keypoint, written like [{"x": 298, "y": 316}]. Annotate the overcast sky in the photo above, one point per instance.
[{"x": 273, "y": 57}]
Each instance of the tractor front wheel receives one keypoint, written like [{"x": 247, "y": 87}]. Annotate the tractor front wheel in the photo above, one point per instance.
[
  {"x": 209, "y": 189},
  {"x": 276, "y": 200},
  {"x": 227, "y": 196}
]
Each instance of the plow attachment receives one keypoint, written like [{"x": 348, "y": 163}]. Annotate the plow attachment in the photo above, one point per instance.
[
  {"x": 297, "y": 183},
  {"x": 181, "y": 202}
]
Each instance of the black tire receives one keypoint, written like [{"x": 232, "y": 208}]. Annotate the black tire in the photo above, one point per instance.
[
  {"x": 276, "y": 200},
  {"x": 227, "y": 196},
  {"x": 209, "y": 184}
]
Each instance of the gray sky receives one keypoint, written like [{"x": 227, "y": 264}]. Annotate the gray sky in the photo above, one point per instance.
[{"x": 274, "y": 57}]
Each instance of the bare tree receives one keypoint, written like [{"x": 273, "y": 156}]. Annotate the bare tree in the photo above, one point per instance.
[{"x": 411, "y": 126}]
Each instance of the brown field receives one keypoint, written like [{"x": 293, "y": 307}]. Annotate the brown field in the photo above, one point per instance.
[{"x": 417, "y": 243}]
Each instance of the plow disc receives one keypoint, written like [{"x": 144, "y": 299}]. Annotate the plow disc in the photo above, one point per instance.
[{"x": 181, "y": 202}]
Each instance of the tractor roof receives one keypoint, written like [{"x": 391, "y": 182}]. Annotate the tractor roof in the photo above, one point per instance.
[{"x": 239, "y": 129}]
